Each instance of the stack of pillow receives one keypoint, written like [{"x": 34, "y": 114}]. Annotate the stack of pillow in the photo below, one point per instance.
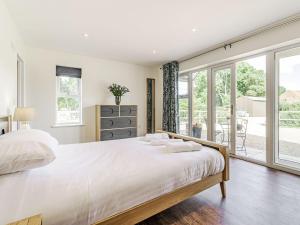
[
  {"x": 171, "y": 145},
  {"x": 26, "y": 149}
]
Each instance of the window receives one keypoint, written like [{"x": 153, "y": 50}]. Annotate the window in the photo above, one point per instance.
[
  {"x": 287, "y": 151},
  {"x": 199, "y": 104},
  {"x": 251, "y": 101},
  {"x": 193, "y": 104},
  {"x": 183, "y": 94},
  {"x": 68, "y": 96},
  {"x": 251, "y": 105}
]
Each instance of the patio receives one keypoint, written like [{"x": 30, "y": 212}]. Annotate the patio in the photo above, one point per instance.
[{"x": 255, "y": 143}]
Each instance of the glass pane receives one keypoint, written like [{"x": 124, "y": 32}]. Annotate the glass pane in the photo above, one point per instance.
[
  {"x": 289, "y": 106},
  {"x": 68, "y": 110},
  {"x": 222, "y": 104},
  {"x": 199, "y": 126},
  {"x": 251, "y": 108},
  {"x": 69, "y": 85},
  {"x": 183, "y": 116},
  {"x": 183, "y": 89}
]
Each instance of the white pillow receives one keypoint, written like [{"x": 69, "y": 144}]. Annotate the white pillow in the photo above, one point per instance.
[{"x": 26, "y": 149}]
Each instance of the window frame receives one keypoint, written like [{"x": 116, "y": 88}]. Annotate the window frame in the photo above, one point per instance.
[
  {"x": 277, "y": 160},
  {"x": 57, "y": 95}
]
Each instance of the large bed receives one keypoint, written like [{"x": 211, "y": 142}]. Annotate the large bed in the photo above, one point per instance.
[{"x": 112, "y": 182}]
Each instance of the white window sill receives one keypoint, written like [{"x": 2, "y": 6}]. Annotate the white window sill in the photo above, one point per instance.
[{"x": 68, "y": 125}]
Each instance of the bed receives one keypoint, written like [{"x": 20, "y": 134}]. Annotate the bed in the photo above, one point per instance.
[{"x": 112, "y": 182}]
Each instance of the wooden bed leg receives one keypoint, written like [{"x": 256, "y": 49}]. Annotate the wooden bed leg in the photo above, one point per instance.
[{"x": 223, "y": 189}]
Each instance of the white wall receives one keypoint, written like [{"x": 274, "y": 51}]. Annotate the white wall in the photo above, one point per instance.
[
  {"x": 278, "y": 37},
  {"x": 10, "y": 46},
  {"x": 97, "y": 75}
]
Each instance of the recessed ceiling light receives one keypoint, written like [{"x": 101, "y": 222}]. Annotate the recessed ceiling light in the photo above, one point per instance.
[
  {"x": 85, "y": 35},
  {"x": 194, "y": 30},
  {"x": 154, "y": 52}
]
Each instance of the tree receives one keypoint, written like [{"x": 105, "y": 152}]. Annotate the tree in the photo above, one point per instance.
[
  {"x": 223, "y": 87},
  {"x": 250, "y": 81},
  {"x": 68, "y": 89},
  {"x": 200, "y": 90}
]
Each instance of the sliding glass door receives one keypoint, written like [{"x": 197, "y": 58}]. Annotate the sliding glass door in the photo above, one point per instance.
[
  {"x": 251, "y": 108},
  {"x": 205, "y": 104},
  {"x": 193, "y": 109},
  {"x": 251, "y": 105},
  {"x": 222, "y": 107},
  {"x": 199, "y": 104},
  {"x": 184, "y": 104},
  {"x": 287, "y": 117}
]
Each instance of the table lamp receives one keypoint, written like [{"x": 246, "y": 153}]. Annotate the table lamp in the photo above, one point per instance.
[{"x": 24, "y": 115}]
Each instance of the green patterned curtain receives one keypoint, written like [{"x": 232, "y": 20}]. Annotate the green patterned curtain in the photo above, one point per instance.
[{"x": 170, "y": 96}]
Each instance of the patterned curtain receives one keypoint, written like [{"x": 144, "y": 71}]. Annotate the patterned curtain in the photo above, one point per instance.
[{"x": 170, "y": 98}]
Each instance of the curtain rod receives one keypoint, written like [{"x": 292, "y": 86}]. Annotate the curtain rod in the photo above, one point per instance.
[{"x": 230, "y": 42}]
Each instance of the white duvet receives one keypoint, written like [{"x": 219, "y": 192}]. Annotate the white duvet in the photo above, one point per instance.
[{"x": 89, "y": 182}]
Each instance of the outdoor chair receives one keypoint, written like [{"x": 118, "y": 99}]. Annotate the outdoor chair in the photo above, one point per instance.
[
  {"x": 241, "y": 132},
  {"x": 218, "y": 132}
]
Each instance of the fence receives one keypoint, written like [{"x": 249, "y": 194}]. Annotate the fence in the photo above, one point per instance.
[{"x": 286, "y": 118}]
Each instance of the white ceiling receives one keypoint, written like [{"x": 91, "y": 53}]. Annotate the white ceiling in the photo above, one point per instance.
[{"x": 129, "y": 30}]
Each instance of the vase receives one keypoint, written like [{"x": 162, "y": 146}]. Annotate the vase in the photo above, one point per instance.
[{"x": 118, "y": 100}]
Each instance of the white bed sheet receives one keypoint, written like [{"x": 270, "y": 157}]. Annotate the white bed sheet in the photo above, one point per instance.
[{"x": 91, "y": 181}]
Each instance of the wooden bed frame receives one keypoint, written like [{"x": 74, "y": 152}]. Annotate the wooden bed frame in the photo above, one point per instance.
[
  {"x": 147, "y": 209},
  {"x": 154, "y": 206}
]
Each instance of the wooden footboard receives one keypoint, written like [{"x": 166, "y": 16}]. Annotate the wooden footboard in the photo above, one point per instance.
[
  {"x": 154, "y": 206},
  {"x": 221, "y": 148}
]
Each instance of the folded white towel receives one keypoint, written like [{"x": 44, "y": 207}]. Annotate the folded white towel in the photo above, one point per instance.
[
  {"x": 175, "y": 147},
  {"x": 160, "y": 142},
  {"x": 155, "y": 136}
]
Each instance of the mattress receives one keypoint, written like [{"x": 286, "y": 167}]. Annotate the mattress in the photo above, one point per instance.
[{"x": 92, "y": 181}]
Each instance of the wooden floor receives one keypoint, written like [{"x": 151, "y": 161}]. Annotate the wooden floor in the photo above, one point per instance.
[{"x": 256, "y": 195}]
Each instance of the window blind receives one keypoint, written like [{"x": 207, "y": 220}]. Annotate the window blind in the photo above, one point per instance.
[{"x": 68, "y": 71}]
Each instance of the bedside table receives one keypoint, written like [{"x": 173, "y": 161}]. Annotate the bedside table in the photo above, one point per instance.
[{"x": 33, "y": 220}]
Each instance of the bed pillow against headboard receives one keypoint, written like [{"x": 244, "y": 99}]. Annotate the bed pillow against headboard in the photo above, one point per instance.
[{"x": 26, "y": 149}]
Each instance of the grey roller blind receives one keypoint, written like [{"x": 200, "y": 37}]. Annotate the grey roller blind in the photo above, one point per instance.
[{"x": 68, "y": 71}]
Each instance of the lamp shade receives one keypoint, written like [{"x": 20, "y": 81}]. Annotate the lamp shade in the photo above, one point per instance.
[{"x": 24, "y": 114}]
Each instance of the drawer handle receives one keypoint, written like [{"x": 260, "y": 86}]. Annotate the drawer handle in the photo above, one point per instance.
[
  {"x": 112, "y": 134},
  {"x": 112, "y": 110},
  {"x": 130, "y": 133},
  {"x": 130, "y": 110},
  {"x": 130, "y": 121},
  {"x": 112, "y": 122}
]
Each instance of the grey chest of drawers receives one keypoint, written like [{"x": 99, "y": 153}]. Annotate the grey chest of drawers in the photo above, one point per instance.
[{"x": 115, "y": 122}]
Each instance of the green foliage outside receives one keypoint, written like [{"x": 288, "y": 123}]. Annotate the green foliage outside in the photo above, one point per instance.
[
  {"x": 289, "y": 114},
  {"x": 67, "y": 104},
  {"x": 250, "y": 82},
  {"x": 69, "y": 94}
]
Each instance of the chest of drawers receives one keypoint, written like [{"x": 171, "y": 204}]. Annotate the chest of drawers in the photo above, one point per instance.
[{"x": 115, "y": 122}]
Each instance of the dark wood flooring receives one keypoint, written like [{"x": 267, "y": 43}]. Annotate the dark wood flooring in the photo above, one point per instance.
[{"x": 256, "y": 195}]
